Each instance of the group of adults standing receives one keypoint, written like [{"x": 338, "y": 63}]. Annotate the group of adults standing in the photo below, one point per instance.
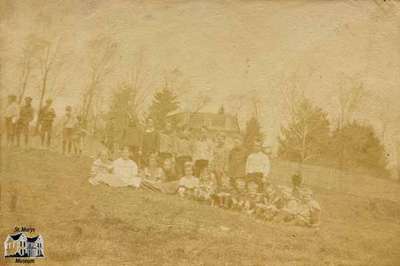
[
  {"x": 21, "y": 120},
  {"x": 19, "y": 117}
]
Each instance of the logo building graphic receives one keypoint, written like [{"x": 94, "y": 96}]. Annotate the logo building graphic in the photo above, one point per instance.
[{"x": 19, "y": 245}]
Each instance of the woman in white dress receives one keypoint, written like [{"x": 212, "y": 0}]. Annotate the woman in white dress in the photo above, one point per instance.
[{"x": 125, "y": 171}]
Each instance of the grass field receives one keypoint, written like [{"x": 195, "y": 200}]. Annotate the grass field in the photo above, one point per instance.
[{"x": 86, "y": 225}]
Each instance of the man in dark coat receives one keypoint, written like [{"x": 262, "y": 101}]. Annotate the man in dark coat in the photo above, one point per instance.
[
  {"x": 25, "y": 118},
  {"x": 237, "y": 161},
  {"x": 46, "y": 119},
  {"x": 150, "y": 141}
]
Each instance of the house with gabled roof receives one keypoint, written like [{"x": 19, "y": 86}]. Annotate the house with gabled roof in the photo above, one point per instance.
[
  {"x": 19, "y": 245},
  {"x": 220, "y": 122}
]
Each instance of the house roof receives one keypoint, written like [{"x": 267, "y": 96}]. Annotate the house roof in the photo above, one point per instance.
[
  {"x": 203, "y": 114},
  {"x": 32, "y": 239},
  {"x": 192, "y": 118},
  {"x": 16, "y": 236}
]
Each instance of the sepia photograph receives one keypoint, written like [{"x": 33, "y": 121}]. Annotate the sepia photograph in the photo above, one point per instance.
[{"x": 200, "y": 132}]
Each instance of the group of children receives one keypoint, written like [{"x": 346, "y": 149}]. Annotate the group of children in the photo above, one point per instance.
[
  {"x": 250, "y": 195},
  {"x": 271, "y": 203}
]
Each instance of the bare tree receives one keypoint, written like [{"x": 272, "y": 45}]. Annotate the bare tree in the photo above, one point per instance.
[
  {"x": 25, "y": 66},
  {"x": 302, "y": 123},
  {"x": 142, "y": 83},
  {"x": 103, "y": 50},
  {"x": 235, "y": 102},
  {"x": 349, "y": 101},
  {"x": 384, "y": 110},
  {"x": 199, "y": 102},
  {"x": 46, "y": 55},
  {"x": 292, "y": 96}
]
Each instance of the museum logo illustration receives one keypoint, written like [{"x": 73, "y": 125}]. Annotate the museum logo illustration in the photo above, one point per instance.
[{"x": 24, "y": 243}]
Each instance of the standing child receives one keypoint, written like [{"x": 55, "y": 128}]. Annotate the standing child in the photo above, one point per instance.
[
  {"x": 69, "y": 122},
  {"x": 220, "y": 157},
  {"x": 78, "y": 135}
]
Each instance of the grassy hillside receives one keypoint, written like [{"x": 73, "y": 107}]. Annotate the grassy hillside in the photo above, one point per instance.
[{"x": 86, "y": 225}]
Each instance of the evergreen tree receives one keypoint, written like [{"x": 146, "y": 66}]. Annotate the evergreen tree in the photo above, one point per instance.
[
  {"x": 122, "y": 110},
  {"x": 253, "y": 133},
  {"x": 221, "y": 110},
  {"x": 307, "y": 136},
  {"x": 164, "y": 102},
  {"x": 356, "y": 146}
]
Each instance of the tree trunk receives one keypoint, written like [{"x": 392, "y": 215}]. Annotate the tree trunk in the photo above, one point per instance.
[
  {"x": 42, "y": 94},
  {"x": 24, "y": 83}
]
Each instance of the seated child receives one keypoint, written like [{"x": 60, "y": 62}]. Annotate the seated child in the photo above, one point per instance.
[
  {"x": 208, "y": 186},
  {"x": 169, "y": 169},
  {"x": 101, "y": 169},
  {"x": 224, "y": 192},
  {"x": 297, "y": 183},
  {"x": 153, "y": 175},
  {"x": 290, "y": 205},
  {"x": 238, "y": 198},
  {"x": 188, "y": 185},
  {"x": 310, "y": 213},
  {"x": 253, "y": 197},
  {"x": 267, "y": 209}
]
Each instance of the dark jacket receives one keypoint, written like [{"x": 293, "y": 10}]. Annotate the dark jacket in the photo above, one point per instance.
[{"x": 237, "y": 162}]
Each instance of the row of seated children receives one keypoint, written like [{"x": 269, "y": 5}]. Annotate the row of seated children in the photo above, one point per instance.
[{"x": 270, "y": 203}]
